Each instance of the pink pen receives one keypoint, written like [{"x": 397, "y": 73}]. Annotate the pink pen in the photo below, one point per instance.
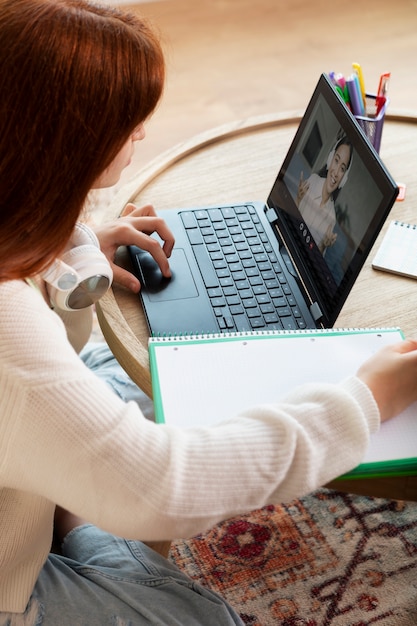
[{"x": 340, "y": 80}]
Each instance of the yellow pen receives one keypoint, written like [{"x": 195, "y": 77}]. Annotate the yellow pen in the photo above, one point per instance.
[{"x": 358, "y": 70}]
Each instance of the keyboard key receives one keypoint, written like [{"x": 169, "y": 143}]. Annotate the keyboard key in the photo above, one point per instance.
[
  {"x": 206, "y": 268},
  {"x": 271, "y": 318},
  {"x": 250, "y": 303},
  {"x": 284, "y": 311},
  {"x": 218, "y": 302},
  {"x": 259, "y": 289},
  {"x": 288, "y": 323},
  {"x": 236, "y": 309},
  {"x": 213, "y": 247},
  {"x": 194, "y": 235},
  {"x": 267, "y": 308},
  {"x": 232, "y": 300},
  {"x": 216, "y": 292},
  {"x": 188, "y": 219},
  {"x": 215, "y": 215},
  {"x": 279, "y": 302},
  {"x": 257, "y": 322},
  {"x": 210, "y": 239},
  {"x": 242, "y": 323}
]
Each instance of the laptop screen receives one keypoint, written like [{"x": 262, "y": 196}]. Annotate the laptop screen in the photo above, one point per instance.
[{"x": 331, "y": 197}]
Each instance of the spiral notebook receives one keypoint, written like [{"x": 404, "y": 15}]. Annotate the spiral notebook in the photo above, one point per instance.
[
  {"x": 202, "y": 380},
  {"x": 398, "y": 251}
]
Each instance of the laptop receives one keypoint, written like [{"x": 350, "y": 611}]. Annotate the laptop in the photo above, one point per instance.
[{"x": 289, "y": 263}]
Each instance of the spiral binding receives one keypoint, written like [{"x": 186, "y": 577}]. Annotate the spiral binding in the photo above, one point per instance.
[{"x": 268, "y": 333}]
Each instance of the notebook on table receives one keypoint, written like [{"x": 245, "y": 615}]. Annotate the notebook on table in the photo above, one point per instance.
[
  {"x": 397, "y": 252},
  {"x": 259, "y": 266},
  {"x": 232, "y": 372}
]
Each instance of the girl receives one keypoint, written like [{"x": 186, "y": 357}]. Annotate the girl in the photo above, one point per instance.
[{"x": 77, "y": 83}]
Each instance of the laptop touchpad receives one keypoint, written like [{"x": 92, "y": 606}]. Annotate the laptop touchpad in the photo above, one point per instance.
[{"x": 180, "y": 285}]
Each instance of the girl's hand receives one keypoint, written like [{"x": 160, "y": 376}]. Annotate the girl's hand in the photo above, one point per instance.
[
  {"x": 135, "y": 228},
  {"x": 391, "y": 375}
]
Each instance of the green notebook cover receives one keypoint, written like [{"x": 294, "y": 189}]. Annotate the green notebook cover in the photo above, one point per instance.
[{"x": 200, "y": 380}]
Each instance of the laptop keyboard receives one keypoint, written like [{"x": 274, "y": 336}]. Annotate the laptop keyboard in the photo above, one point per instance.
[{"x": 244, "y": 279}]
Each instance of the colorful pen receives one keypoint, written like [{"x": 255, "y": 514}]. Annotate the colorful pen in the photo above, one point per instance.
[
  {"x": 358, "y": 71},
  {"x": 380, "y": 101},
  {"x": 381, "y": 96},
  {"x": 340, "y": 86},
  {"x": 355, "y": 95},
  {"x": 383, "y": 84}
]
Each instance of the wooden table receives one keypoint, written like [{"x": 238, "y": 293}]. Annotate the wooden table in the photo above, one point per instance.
[{"x": 239, "y": 162}]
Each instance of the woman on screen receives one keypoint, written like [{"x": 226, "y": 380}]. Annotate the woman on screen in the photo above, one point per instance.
[{"x": 316, "y": 196}]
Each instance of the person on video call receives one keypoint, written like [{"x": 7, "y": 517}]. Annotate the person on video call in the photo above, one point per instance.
[
  {"x": 78, "y": 82},
  {"x": 317, "y": 195}
]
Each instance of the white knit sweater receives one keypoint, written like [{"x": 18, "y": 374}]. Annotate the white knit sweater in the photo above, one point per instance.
[{"x": 66, "y": 438}]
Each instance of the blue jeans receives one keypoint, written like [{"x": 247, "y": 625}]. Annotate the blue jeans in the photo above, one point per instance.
[
  {"x": 100, "y": 360},
  {"x": 103, "y": 580}
]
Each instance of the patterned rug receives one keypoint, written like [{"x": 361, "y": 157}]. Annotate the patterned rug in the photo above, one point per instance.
[{"x": 329, "y": 559}]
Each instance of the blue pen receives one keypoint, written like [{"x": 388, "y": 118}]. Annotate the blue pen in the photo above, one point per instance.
[
  {"x": 359, "y": 92},
  {"x": 355, "y": 96}
]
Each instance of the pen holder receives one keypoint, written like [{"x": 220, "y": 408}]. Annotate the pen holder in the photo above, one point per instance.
[{"x": 372, "y": 124}]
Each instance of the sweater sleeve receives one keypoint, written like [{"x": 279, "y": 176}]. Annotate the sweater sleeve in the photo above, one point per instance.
[{"x": 101, "y": 459}]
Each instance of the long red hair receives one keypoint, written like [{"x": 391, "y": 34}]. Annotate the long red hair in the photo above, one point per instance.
[{"x": 75, "y": 80}]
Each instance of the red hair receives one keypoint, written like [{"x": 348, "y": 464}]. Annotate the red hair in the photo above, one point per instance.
[{"x": 75, "y": 80}]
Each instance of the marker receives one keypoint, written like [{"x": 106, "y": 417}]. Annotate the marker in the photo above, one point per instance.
[
  {"x": 355, "y": 97},
  {"x": 340, "y": 80},
  {"x": 381, "y": 96},
  {"x": 383, "y": 84},
  {"x": 380, "y": 101},
  {"x": 358, "y": 71}
]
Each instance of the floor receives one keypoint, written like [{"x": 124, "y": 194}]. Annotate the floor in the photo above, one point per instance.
[{"x": 232, "y": 59}]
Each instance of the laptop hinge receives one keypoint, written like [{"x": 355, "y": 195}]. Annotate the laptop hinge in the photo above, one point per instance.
[
  {"x": 271, "y": 215},
  {"x": 315, "y": 311}
]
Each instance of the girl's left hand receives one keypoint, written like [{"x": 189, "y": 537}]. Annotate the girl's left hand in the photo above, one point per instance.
[{"x": 135, "y": 227}]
